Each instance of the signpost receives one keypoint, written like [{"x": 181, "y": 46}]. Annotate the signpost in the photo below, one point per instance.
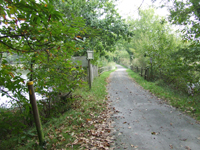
[
  {"x": 90, "y": 55},
  {"x": 35, "y": 113}
]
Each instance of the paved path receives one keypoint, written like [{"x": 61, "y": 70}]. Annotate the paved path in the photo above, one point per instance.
[{"x": 145, "y": 123}]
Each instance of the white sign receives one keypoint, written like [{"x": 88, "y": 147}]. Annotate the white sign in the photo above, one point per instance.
[
  {"x": 81, "y": 59},
  {"x": 90, "y": 55}
]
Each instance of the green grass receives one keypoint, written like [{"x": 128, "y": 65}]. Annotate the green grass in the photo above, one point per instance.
[
  {"x": 178, "y": 99},
  {"x": 60, "y": 132}
]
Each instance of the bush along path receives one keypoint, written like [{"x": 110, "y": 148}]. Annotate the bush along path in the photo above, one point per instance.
[
  {"x": 84, "y": 126},
  {"x": 144, "y": 122}
]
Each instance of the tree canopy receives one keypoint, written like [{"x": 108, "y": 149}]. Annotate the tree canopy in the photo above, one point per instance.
[
  {"x": 153, "y": 38},
  {"x": 186, "y": 15},
  {"x": 103, "y": 25},
  {"x": 44, "y": 35}
]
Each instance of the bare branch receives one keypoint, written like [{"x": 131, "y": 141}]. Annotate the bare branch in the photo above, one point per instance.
[
  {"x": 11, "y": 36},
  {"x": 9, "y": 46},
  {"x": 29, "y": 44},
  {"x": 8, "y": 95},
  {"x": 140, "y": 4}
]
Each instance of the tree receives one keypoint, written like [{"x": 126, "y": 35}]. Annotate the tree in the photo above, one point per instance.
[
  {"x": 153, "y": 38},
  {"x": 103, "y": 25},
  {"x": 186, "y": 14},
  {"x": 26, "y": 26},
  {"x": 44, "y": 40}
]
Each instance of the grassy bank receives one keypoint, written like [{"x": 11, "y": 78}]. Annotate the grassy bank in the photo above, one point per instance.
[
  {"x": 180, "y": 100},
  {"x": 74, "y": 128}
]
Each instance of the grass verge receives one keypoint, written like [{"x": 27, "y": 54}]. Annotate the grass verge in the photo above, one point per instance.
[
  {"x": 75, "y": 128},
  {"x": 183, "y": 102}
]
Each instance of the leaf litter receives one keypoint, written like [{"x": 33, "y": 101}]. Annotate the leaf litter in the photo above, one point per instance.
[
  {"x": 93, "y": 132},
  {"x": 98, "y": 137}
]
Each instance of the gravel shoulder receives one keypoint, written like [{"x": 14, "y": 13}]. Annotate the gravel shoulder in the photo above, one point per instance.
[{"x": 144, "y": 122}]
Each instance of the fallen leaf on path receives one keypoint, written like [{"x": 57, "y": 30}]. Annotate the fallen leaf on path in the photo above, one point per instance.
[
  {"x": 171, "y": 146},
  {"x": 132, "y": 145},
  {"x": 183, "y": 139},
  {"x": 125, "y": 122},
  {"x": 119, "y": 133},
  {"x": 186, "y": 147}
]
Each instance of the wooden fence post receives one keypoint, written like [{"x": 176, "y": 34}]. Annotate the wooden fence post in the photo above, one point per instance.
[
  {"x": 89, "y": 74},
  {"x": 151, "y": 71},
  {"x": 35, "y": 112},
  {"x": 145, "y": 74}
]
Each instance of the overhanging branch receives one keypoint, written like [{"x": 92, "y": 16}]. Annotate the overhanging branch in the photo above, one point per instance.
[
  {"x": 140, "y": 4},
  {"x": 11, "y": 36}
]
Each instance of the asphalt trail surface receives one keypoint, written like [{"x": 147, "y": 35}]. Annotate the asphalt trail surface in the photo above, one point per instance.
[{"x": 144, "y": 122}]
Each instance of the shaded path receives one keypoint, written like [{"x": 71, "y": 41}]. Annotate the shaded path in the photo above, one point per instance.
[{"x": 145, "y": 123}]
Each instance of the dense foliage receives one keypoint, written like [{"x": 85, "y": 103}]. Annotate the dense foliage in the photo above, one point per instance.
[
  {"x": 44, "y": 41},
  {"x": 103, "y": 25},
  {"x": 38, "y": 39},
  {"x": 157, "y": 46},
  {"x": 186, "y": 16}
]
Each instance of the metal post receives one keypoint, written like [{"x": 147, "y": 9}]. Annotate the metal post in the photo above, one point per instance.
[{"x": 35, "y": 112}]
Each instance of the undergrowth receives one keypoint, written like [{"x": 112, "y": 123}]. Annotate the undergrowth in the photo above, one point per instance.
[{"x": 61, "y": 131}]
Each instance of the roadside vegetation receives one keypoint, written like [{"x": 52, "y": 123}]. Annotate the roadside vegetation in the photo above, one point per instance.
[{"x": 75, "y": 128}]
